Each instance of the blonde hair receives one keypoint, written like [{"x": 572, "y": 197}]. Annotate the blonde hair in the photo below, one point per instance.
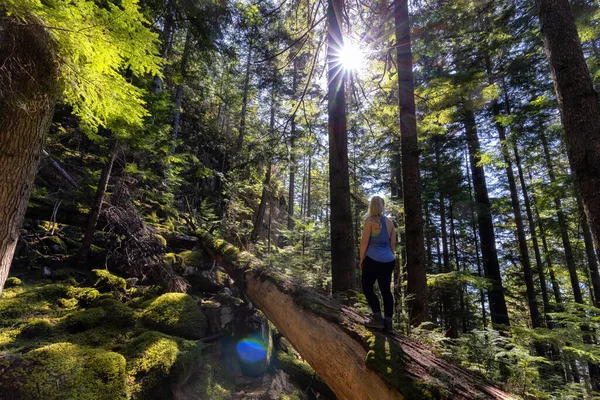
[{"x": 376, "y": 207}]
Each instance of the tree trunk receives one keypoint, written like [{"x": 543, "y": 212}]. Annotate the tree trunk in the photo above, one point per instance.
[
  {"x": 292, "y": 183},
  {"x": 534, "y": 240},
  {"x": 88, "y": 238},
  {"x": 242, "y": 131},
  {"x": 262, "y": 207},
  {"x": 448, "y": 297},
  {"x": 411, "y": 179},
  {"x": 167, "y": 42},
  {"x": 357, "y": 364},
  {"x": 498, "y": 310},
  {"x": 179, "y": 92},
  {"x": 579, "y": 107},
  {"x": 536, "y": 319},
  {"x": 593, "y": 369},
  {"x": 591, "y": 254},
  {"x": 27, "y": 98},
  {"x": 342, "y": 244},
  {"x": 475, "y": 241},
  {"x": 463, "y": 311}
]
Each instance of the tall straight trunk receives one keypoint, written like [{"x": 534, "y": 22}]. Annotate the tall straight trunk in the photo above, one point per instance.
[
  {"x": 553, "y": 280},
  {"x": 447, "y": 292},
  {"x": 29, "y": 70},
  {"x": 342, "y": 243},
  {"x": 463, "y": 311},
  {"x": 491, "y": 266},
  {"x": 562, "y": 224},
  {"x": 475, "y": 240},
  {"x": 88, "y": 238},
  {"x": 266, "y": 193},
  {"x": 308, "y": 186},
  {"x": 579, "y": 107},
  {"x": 536, "y": 319},
  {"x": 536, "y": 247},
  {"x": 242, "y": 131},
  {"x": 166, "y": 39},
  {"x": 591, "y": 254},
  {"x": 292, "y": 183},
  {"x": 179, "y": 91},
  {"x": 594, "y": 369},
  {"x": 411, "y": 179}
]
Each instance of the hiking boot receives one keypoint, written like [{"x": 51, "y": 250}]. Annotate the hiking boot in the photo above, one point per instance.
[
  {"x": 376, "y": 322},
  {"x": 388, "y": 326}
]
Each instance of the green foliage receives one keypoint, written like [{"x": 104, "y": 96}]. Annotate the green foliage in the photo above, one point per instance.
[{"x": 95, "y": 43}]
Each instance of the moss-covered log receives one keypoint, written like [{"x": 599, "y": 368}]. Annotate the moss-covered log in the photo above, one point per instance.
[{"x": 355, "y": 362}]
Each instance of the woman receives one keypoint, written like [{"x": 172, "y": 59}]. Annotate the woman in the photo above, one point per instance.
[{"x": 377, "y": 263}]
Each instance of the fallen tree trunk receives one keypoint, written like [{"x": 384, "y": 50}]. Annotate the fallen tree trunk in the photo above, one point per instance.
[{"x": 356, "y": 363}]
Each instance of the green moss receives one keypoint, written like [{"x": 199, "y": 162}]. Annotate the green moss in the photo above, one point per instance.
[
  {"x": 85, "y": 319},
  {"x": 37, "y": 328},
  {"x": 156, "y": 361},
  {"x": 162, "y": 240},
  {"x": 12, "y": 282},
  {"x": 106, "y": 280},
  {"x": 191, "y": 259},
  {"x": 117, "y": 313},
  {"x": 177, "y": 314},
  {"x": 67, "y": 304},
  {"x": 65, "y": 371},
  {"x": 19, "y": 303},
  {"x": 215, "y": 382},
  {"x": 84, "y": 295}
]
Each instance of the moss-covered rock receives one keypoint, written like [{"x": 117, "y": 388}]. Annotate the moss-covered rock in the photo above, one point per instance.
[
  {"x": 12, "y": 281},
  {"x": 65, "y": 371},
  {"x": 105, "y": 281},
  {"x": 177, "y": 314},
  {"x": 85, "y": 319},
  {"x": 117, "y": 313},
  {"x": 67, "y": 304},
  {"x": 190, "y": 258},
  {"x": 55, "y": 244},
  {"x": 156, "y": 362},
  {"x": 84, "y": 295},
  {"x": 37, "y": 328}
]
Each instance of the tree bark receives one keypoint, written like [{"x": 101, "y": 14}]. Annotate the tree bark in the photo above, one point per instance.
[
  {"x": 578, "y": 103},
  {"x": 498, "y": 310},
  {"x": 242, "y": 131},
  {"x": 357, "y": 364},
  {"x": 448, "y": 297},
  {"x": 167, "y": 42},
  {"x": 463, "y": 311},
  {"x": 342, "y": 244},
  {"x": 591, "y": 254},
  {"x": 536, "y": 319},
  {"x": 27, "y": 98},
  {"x": 179, "y": 91},
  {"x": 88, "y": 238},
  {"x": 411, "y": 179},
  {"x": 292, "y": 183}
]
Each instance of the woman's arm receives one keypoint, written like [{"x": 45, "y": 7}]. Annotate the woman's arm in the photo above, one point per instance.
[{"x": 364, "y": 242}]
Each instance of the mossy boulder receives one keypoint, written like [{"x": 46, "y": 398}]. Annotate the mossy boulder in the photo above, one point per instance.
[
  {"x": 176, "y": 314},
  {"x": 104, "y": 281},
  {"x": 84, "y": 295},
  {"x": 83, "y": 320},
  {"x": 37, "y": 328},
  {"x": 12, "y": 281},
  {"x": 106, "y": 312},
  {"x": 157, "y": 362},
  {"x": 65, "y": 371},
  {"x": 190, "y": 258}
]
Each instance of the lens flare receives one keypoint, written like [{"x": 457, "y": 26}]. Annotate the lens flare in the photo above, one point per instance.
[
  {"x": 351, "y": 56},
  {"x": 251, "y": 350}
]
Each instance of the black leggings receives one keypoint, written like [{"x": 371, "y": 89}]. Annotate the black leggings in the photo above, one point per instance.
[{"x": 382, "y": 273}]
